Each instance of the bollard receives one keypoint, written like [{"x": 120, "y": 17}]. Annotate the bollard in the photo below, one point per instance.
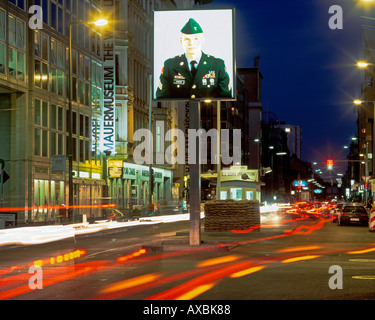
[{"x": 372, "y": 220}]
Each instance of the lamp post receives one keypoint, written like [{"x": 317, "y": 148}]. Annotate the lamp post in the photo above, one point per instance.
[{"x": 99, "y": 22}]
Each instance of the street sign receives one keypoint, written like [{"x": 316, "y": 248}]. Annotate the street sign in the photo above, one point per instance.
[
  {"x": 5, "y": 177},
  {"x": 58, "y": 163},
  {"x": 366, "y": 179}
]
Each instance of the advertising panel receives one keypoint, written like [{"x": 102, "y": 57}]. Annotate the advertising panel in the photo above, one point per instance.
[{"x": 194, "y": 56}]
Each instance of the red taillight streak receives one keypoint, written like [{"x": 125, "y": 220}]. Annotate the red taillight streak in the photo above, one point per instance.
[
  {"x": 50, "y": 277},
  {"x": 167, "y": 279},
  {"x": 203, "y": 279},
  {"x": 303, "y": 217},
  {"x": 112, "y": 205}
]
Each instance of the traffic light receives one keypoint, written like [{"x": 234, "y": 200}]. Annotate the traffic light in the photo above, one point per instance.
[{"x": 329, "y": 164}]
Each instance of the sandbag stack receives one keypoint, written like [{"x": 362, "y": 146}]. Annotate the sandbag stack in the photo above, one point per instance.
[{"x": 228, "y": 215}]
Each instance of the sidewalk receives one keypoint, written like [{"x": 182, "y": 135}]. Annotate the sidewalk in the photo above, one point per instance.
[
  {"x": 49, "y": 233},
  {"x": 32, "y": 235}
]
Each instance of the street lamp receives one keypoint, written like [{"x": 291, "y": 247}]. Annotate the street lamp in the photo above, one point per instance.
[
  {"x": 99, "y": 22},
  {"x": 362, "y": 64}
]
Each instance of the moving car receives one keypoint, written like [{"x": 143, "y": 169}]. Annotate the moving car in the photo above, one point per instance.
[
  {"x": 353, "y": 213},
  {"x": 335, "y": 211}
]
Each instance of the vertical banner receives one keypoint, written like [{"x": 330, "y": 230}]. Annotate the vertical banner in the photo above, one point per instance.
[{"x": 109, "y": 81}]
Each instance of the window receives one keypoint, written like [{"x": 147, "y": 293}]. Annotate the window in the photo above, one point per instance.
[
  {"x": 81, "y": 125},
  {"x": 2, "y": 41},
  {"x": 45, "y": 114},
  {"x": 41, "y": 48},
  {"x": 48, "y": 134},
  {"x": 87, "y": 127},
  {"x": 37, "y": 141},
  {"x": 60, "y": 119},
  {"x": 249, "y": 195},
  {"x": 21, "y": 66},
  {"x": 44, "y": 143},
  {"x": 74, "y": 122},
  {"x": 53, "y": 120},
  {"x": 37, "y": 119},
  {"x": 158, "y": 139},
  {"x": 53, "y": 143},
  {"x": 56, "y": 127},
  {"x": 19, "y": 3},
  {"x": 2, "y": 58},
  {"x": 2, "y": 25},
  {"x": 44, "y": 5},
  {"x": 236, "y": 193},
  {"x": 45, "y": 76},
  {"x": 16, "y": 49},
  {"x": 12, "y": 64},
  {"x": 57, "y": 67},
  {"x": 96, "y": 86}
]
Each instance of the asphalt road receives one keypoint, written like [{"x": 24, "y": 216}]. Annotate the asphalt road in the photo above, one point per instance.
[{"x": 294, "y": 258}]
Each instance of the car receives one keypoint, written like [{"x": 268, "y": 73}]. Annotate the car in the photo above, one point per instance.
[
  {"x": 335, "y": 211},
  {"x": 353, "y": 213}
]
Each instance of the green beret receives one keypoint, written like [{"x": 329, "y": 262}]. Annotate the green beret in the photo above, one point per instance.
[{"x": 191, "y": 27}]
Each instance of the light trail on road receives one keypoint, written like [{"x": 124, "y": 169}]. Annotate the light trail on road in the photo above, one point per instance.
[{"x": 190, "y": 284}]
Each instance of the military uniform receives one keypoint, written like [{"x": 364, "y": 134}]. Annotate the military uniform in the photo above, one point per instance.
[{"x": 211, "y": 79}]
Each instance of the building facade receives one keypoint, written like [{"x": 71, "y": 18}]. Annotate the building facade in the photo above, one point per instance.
[{"x": 34, "y": 109}]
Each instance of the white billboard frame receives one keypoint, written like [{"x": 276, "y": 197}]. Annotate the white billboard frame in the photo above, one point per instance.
[{"x": 218, "y": 27}]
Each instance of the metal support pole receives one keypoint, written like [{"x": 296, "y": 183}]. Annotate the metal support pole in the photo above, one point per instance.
[
  {"x": 366, "y": 174},
  {"x": 218, "y": 166},
  {"x": 2, "y": 184},
  {"x": 195, "y": 177},
  {"x": 150, "y": 144}
]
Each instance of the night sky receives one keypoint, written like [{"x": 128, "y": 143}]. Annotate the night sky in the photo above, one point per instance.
[{"x": 310, "y": 77}]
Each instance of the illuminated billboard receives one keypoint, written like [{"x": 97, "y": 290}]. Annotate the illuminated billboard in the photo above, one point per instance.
[{"x": 194, "y": 55}]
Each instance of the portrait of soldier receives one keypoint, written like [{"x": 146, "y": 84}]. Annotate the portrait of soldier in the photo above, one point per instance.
[{"x": 193, "y": 74}]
